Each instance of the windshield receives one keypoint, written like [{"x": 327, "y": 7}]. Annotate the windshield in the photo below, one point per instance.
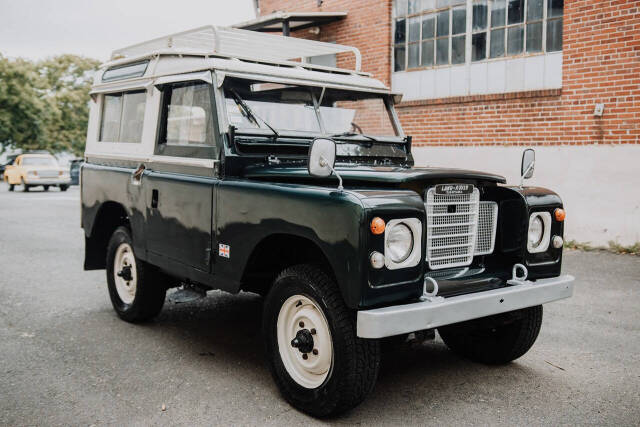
[
  {"x": 306, "y": 109},
  {"x": 39, "y": 161}
]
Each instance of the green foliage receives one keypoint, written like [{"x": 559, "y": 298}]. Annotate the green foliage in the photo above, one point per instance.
[
  {"x": 613, "y": 247},
  {"x": 45, "y": 104}
]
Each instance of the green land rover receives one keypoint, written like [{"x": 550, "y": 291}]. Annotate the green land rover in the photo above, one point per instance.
[{"x": 224, "y": 159}]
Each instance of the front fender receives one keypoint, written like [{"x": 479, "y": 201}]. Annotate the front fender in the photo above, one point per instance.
[
  {"x": 249, "y": 211},
  {"x": 545, "y": 264}
]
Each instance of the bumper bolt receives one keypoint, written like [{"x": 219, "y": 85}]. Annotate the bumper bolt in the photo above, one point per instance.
[
  {"x": 315, "y": 351},
  {"x": 301, "y": 324},
  {"x": 304, "y": 356},
  {"x": 313, "y": 331}
]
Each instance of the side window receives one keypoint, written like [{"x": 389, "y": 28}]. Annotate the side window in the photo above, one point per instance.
[
  {"x": 123, "y": 117},
  {"x": 187, "y": 115}
]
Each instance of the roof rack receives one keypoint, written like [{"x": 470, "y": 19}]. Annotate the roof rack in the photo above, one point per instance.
[{"x": 242, "y": 44}]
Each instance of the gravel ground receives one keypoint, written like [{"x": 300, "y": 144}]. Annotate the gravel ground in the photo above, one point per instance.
[{"x": 65, "y": 358}]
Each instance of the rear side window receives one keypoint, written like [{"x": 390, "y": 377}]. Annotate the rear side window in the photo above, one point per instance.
[
  {"x": 123, "y": 117},
  {"x": 187, "y": 115},
  {"x": 128, "y": 71}
]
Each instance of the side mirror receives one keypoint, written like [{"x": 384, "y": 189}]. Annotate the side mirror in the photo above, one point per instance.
[
  {"x": 322, "y": 158},
  {"x": 528, "y": 164}
]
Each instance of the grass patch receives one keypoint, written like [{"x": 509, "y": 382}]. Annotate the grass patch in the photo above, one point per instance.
[
  {"x": 613, "y": 247},
  {"x": 580, "y": 246},
  {"x": 619, "y": 249}
]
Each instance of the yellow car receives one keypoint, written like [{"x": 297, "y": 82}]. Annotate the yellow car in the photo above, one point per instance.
[{"x": 31, "y": 170}]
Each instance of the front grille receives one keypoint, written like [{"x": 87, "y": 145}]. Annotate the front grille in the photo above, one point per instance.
[
  {"x": 48, "y": 174},
  {"x": 452, "y": 221},
  {"x": 487, "y": 221},
  {"x": 458, "y": 228}
]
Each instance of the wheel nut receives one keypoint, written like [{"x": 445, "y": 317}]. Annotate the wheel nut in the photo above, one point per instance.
[
  {"x": 313, "y": 331},
  {"x": 304, "y": 356},
  {"x": 315, "y": 351},
  {"x": 301, "y": 324}
]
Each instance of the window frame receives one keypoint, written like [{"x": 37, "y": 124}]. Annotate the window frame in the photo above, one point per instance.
[
  {"x": 103, "y": 109},
  {"x": 200, "y": 151},
  {"x": 468, "y": 34}
]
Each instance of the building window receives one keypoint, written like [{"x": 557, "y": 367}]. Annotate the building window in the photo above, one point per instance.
[{"x": 430, "y": 33}]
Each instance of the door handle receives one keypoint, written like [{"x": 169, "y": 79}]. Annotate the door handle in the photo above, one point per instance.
[
  {"x": 136, "y": 175},
  {"x": 154, "y": 199}
]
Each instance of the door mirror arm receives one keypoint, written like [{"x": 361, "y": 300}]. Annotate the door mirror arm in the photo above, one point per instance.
[{"x": 528, "y": 165}]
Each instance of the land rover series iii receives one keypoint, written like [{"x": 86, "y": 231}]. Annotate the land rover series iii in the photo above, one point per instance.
[{"x": 224, "y": 159}]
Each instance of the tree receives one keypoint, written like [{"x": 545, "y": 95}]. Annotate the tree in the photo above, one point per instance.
[
  {"x": 68, "y": 79},
  {"x": 45, "y": 105},
  {"x": 23, "y": 112}
]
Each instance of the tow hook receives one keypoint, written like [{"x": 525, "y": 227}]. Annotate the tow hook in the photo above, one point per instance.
[
  {"x": 430, "y": 296},
  {"x": 517, "y": 279}
]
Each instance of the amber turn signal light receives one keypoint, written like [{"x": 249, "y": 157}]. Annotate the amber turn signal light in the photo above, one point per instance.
[
  {"x": 377, "y": 225},
  {"x": 559, "y": 214}
]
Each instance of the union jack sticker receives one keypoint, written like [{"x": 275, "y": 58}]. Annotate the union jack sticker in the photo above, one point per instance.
[{"x": 224, "y": 251}]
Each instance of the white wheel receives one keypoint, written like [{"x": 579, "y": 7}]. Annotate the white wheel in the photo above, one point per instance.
[
  {"x": 304, "y": 341},
  {"x": 124, "y": 273}
]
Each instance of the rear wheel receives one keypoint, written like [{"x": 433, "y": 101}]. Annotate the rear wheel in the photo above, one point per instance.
[
  {"x": 25, "y": 187},
  {"x": 137, "y": 289},
  {"x": 319, "y": 364},
  {"x": 64, "y": 187},
  {"x": 11, "y": 187},
  {"x": 496, "y": 339},
  {"x": 46, "y": 187}
]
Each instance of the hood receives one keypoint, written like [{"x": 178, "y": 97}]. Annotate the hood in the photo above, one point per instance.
[{"x": 374, "y": 175}]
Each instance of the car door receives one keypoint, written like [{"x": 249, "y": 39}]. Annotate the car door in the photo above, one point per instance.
[{"x": 180, "y": 179}]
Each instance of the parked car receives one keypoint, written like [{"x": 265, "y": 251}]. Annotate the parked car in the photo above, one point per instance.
[
  {"x": 10, "y": 159},
  {"x": 74, "y": 171},
  {"x": 31, "y": 170},
  {"x": 238, "y": 169}
]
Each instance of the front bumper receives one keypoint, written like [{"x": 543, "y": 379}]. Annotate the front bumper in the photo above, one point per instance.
[
  {"x": 401, "y": 319},
  {"x": 48, "y": 181}
]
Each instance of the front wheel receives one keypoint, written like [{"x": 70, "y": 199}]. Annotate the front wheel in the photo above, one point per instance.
[
  {"x": 11, "y": 187},
  {"x": 46, "y": 188},
  {"x": 64, "y": 187},
  {"x": 496, "y": 339},
  {"x": 319, "y": 364},
  {"x": 137, "y": 290}
]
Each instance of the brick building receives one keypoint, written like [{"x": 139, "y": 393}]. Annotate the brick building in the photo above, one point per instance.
[{"x": 483, "y": 78}]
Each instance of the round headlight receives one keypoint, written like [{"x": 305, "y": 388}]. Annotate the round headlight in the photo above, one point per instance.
[
  {"x": 399, "y": 242},
  {"x": 536, "y": 231}
]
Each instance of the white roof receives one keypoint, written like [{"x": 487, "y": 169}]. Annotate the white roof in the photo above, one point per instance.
[
  {"x": 233, "y": 42},
  {"x": 238, "y": 53},
  {"x": 174, "y": 65}
]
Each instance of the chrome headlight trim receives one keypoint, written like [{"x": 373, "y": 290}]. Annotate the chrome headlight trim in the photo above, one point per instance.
[
  {"x": 415, "y": 255},
  {"x": 543, "y": 245}
]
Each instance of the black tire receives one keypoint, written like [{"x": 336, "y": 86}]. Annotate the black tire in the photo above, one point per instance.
[
  {"x": 150, "y": 289},
  {"x": 495, "y": 340},
  {"x": 46, "y": 187},
  {"x": 25, "y": 187},
  {"x": 11, "y": 187},
  {"x": 355, "y": 361},
  {"x": 64, "y": 187}
]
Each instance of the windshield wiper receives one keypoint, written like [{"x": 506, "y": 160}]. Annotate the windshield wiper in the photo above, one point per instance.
[
  {"x": 370, "y": 138},
  {"x": 249, "y": 114}
]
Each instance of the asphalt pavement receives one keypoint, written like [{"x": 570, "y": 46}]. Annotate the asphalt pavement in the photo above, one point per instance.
[{"x": 66, "y": 359}]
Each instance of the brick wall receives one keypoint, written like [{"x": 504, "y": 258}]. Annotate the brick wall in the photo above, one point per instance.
[
  {"x": 601, "y": 64},
  {"x": 367, "y": 27}
]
